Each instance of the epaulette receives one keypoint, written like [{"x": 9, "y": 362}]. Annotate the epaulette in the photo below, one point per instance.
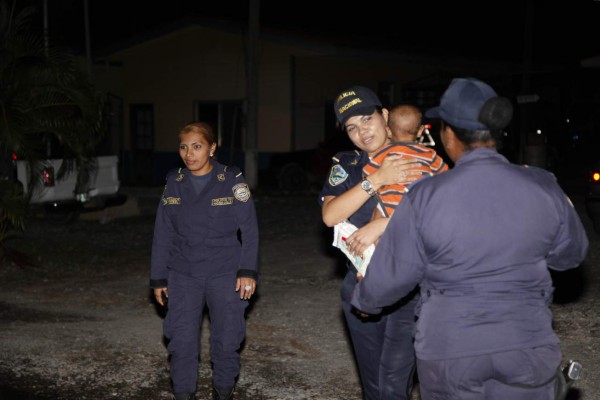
[
  {"x": 178, "y": 172},
  {"x": 174, "y": 171},
  {"x": 232, "y": 169},
  {"x": 348, "y": 153}
]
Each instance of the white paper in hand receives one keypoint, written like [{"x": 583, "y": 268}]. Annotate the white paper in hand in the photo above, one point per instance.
[{"x": 341, "y": 232}]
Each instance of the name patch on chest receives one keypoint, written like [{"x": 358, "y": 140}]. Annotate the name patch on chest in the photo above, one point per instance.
[
  {"x": 222, "y": 201},
  {"x": 171, "y": 200}
]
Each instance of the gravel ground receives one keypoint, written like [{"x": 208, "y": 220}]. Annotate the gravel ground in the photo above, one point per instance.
[{"x": 78, "y": 322}]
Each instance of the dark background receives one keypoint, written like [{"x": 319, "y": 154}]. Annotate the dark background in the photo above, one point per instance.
[
  {"x": 559, "y": 31},
  {"x": 545, "y": 42}
]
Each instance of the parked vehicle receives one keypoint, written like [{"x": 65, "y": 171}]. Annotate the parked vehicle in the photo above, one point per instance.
[
  {"x": 57, "y": 198},
  {"x": 592, "y": 196}
]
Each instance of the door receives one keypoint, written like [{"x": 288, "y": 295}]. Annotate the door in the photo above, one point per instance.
[
  {"x": 142, "y": 144},
  {"x": 226, "y": 119}
]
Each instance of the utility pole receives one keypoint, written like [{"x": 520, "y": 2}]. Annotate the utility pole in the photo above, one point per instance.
[
  {"x": 251, "y": 154},
  {"x": 526, "y": 78},
  {"x": 46, "y": 26},
  {"x": 88, "y": 47}
]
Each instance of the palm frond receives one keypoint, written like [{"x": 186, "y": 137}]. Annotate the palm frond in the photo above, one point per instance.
[{"x": 45, "y": 97}]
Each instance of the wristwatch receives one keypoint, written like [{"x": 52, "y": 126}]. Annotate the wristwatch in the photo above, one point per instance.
[{"x": 366, "y": 185}]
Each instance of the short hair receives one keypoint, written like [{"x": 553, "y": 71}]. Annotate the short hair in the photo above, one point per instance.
[
  {"x": 405, "y": 118},
  {"x": 469, "y": 137}
]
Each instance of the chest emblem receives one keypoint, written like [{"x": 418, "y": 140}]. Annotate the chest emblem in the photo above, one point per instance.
[
  {"x": 337, "y": 175},
  {"x": 221, "y": 177},
  {"x": 241, "y": 191}
]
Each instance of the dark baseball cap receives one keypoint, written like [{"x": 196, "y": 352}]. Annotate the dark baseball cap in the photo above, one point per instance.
[
  {"x": 357, "y": 100},
  {"x": 462, "y": 102}
]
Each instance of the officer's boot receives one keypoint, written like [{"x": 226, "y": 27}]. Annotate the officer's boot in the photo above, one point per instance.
[
  {"x": 183, "y": 396},
  {"x": 222, "y": 394}
]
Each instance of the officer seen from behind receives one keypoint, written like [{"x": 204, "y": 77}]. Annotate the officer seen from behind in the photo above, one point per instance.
[{"x": 479, "y": 240}]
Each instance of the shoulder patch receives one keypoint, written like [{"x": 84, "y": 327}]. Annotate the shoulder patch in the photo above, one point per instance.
[
  {"x": 337, "y": 175},
  {"x": 241, "y": 191}
]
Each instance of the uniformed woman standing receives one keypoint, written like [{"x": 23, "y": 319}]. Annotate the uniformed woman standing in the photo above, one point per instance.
[
  {"x": 198, "y": 260},
  {"x": 383, "y": 345}
]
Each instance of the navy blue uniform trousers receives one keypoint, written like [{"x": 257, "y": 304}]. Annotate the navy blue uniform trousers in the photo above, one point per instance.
[
  {"x": 383, "y": 346},
  {"x": 187, "y": 298},
  {"x": 492, "y": 376}
]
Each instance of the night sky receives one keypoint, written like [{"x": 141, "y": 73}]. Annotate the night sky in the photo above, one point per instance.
[{"x": 563, "y": 32}]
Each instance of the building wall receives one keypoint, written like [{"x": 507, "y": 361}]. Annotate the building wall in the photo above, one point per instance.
[
  {"x": 296, "y": 89},
  {"x": 296, "y": 85},
  {"x": 173, "y": 71},
  {"x": 200, "y": 64}
]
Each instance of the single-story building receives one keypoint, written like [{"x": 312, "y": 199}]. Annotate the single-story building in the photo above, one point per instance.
[{"x": 197, "y": 69}]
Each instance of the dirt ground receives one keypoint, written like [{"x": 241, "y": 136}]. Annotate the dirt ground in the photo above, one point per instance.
[{"x": 78, "y": 323}]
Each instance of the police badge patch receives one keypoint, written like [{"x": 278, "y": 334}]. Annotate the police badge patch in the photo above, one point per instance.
[
  {"x": 337, "y": 175},
  {"x": 241, "y": 191}
]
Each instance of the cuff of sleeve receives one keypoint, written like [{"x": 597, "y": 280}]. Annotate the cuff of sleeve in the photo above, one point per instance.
[
  {"x": 247, "y": 273},
  {"x": 158, "y": 283}
]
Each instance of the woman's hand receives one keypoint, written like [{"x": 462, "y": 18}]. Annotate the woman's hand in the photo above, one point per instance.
[
  {"x": 161, "y": 295},
  {"x": 396, "y": 169},
  {"x": 369, "y": 234},
  {"x": 246, "y": 287}
]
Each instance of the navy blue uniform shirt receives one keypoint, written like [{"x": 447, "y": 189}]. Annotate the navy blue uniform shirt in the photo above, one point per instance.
[
  {"x": 345, "y": 173},
  {"x": 196, "y": 234},
  {"x": 479, "y": 239}
]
